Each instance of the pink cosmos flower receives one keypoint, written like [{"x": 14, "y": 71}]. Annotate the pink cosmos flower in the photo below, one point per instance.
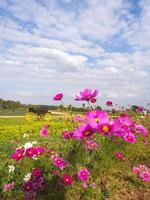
[
  {"x": 141, "y": 129},
  {"x": 145, "y": 176},
  {"x": 36, "y": 172},
  {"x": 86, "y": 95},
  {"x": 78, "y": 118},
  {"x": 83, "y": 131},
  {"x": 30, "y": 152},
  {"x": 18, "y": 155},
  {"x": 109, "y": 103},
  {"x": 120, "y": 155},
  {"x": 136, "y": 170},
  {"x": 8, "y": 186},
  {"x": 83, "y": 175},
  {"x": 39, "y": 150},
  {"x": 60, "y": 163},
  {"x": 58, "y": 97},
  {"x": 44, "y": 132},
  {"x": 129, "y": 137},
  {"x": 67, "y": 134},
  {"x": 91, "y": 145},
  {"x": 28, "y": 186},
  {"x": 67, "y": 179}
]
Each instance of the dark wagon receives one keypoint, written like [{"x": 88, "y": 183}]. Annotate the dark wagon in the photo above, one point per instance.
[{"x": 37, "y": 113}]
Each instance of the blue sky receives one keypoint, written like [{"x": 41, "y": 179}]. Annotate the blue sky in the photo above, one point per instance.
[{"x": 49, "y": 46}]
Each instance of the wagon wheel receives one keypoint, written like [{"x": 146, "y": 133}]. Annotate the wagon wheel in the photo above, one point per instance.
[
  {"x": 30, "y": 116},
  {"x": 47, "y": 117},
  {"x": 40, "y": 117}
]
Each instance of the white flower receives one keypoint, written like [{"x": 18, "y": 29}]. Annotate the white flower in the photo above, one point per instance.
[
  {"x": 25, "y": 135},
  {"x": 28, "y": 145},
  {"x": 27, "y": 177},
  {"x": 34, "y": 157},
  {"x": 34, "y": 142},
  {"x": 11, "y": 168}
]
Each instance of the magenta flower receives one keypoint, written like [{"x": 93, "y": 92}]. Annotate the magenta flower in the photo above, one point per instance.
[
  {"x": 67, "y": 134},
  {"x": 145, "y": 176},
  {"x": 120, "y": 156},
  {"x": 44, "y": 132},
  {"x": 83, "y": 175},
  {"x": 39, "y": 150},
  {"x": 83, "y": 131},
  {"x": 109, "y": 103},
  {"x": 60, "y": 163},
  {"x": 30, "y": 152},
  {"x": 18, "y": 155},
  {"x": 8, "y": 186},
  {"x": 58, "y": 97},
  {"x": 28, "y": 186},
  {"x": 129, "y": 137},
  {"x": 91, "y": 145},
  {"x": 86, "y": 95},
  {"x": 36, "y": 172},
  {"x": 67, "y": 179}
]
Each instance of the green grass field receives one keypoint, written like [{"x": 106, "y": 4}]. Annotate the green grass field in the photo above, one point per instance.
[{"x": 114, "y": 179}]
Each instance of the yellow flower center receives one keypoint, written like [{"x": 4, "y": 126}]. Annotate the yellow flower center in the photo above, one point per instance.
[
  {"x": 19, "y": 154},
  {"x": 105, "y": 129},
  {"x": 96, "y": 119},
  {"x": 87, "y": 133}
]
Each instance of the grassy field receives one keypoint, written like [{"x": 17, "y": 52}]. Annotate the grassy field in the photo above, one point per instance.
[{"x": 113, "y": 177}]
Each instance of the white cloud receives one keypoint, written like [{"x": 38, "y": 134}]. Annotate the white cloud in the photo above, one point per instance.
[{"x": 47, "y": 48}]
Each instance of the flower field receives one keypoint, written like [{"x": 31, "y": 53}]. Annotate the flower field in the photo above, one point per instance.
[{"x": 93, "y": 156}]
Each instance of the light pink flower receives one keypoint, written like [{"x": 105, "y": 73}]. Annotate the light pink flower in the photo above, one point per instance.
[
  {"x": 44, "y": 132},
  {"x": 8, "y": 186},
  {"x": 145, "y": 176}
]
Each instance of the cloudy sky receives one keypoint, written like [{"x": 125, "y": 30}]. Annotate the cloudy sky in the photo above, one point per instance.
[{"x": 50, "y": 46}]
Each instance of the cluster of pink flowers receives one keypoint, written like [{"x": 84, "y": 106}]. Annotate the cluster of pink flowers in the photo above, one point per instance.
[
  {"x": 143, "y": 172},
  {"x": 99, "y": 122},
  {"x": 34, "y": 185},
  {"x": 29, "y": 152}
]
